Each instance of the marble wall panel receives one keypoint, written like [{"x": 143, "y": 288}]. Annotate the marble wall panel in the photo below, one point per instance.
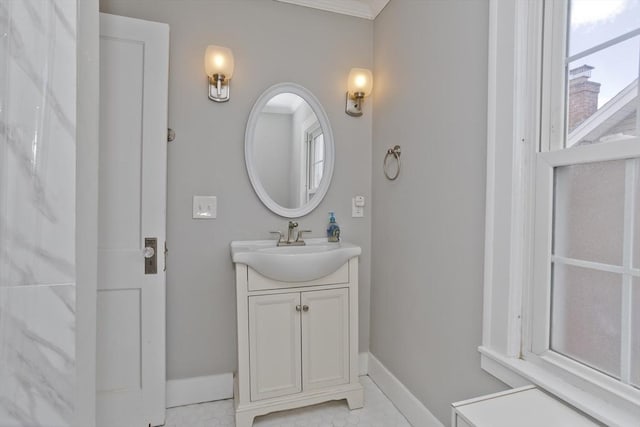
[
  {"x": 37, "y": 211},
  {"x": 37, "y": 351},
  {"x": 37, "y": 132}
]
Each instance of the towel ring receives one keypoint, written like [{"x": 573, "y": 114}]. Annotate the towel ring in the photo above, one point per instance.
[{"x": 395, "y": 152}]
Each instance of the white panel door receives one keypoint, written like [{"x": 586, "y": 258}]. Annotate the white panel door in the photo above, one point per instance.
[
  {"x": 325, "y": 338},
  {"x": 274, "y": 345},
  {"x": 132, "y": 203}
]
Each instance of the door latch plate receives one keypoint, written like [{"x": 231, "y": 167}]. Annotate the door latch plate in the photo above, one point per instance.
[{"x": 151, "y": 263}]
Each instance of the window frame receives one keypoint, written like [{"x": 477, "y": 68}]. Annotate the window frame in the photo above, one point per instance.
[
  {"x": 537, "y": 345},
  {"x": 310, "y": 134},
  {"x": 522, "y": 112}
]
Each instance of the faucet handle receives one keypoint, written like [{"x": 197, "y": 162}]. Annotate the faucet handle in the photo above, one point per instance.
[
  {"x": 299, "y": 238},
  {"x": 292, "y": 225},
  {"x": 280, "y": 235}
]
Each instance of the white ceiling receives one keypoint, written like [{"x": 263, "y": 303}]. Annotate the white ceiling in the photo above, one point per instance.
[
  {"x": 284, "y": 103},
  {"x": 367, "y": 9}
]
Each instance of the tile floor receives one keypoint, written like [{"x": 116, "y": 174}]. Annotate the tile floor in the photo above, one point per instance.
[{"x": 378, "y": 411}]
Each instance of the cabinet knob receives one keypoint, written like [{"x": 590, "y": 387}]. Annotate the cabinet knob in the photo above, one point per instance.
[
  {"x": 305, "y": 308},
  {"x": 298, "y": 307}
]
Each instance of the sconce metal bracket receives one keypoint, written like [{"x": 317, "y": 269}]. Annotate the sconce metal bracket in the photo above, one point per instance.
[
  {"x": 353, "y": 106},
  {"x": 219, "y": 89}
]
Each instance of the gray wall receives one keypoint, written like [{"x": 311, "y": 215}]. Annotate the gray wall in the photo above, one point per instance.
[
  {"x": 428, "y": 226},
  {"x": 272, "y": 155},
  {"x": 272, "y": 42}
]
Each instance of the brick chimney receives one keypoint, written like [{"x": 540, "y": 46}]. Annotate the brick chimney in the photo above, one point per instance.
[{"x": 583, "y": 96}]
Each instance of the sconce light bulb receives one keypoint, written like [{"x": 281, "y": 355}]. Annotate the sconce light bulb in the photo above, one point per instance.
[{"x": 361, "y": 81}]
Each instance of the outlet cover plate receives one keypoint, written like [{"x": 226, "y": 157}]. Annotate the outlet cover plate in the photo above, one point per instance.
[{"x": 356, "y": 211}]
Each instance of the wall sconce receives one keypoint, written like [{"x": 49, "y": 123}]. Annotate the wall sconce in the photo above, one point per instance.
[
  {"x": 218, "y": 64},
  {"x": 359, "y": 86}
]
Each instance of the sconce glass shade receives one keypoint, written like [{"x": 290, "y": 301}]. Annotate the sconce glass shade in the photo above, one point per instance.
[
  {"x": 218, "y": 60},
  {"x": 360, "y": 81}
]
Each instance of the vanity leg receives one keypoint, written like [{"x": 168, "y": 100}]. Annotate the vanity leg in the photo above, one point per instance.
[
  {"x": 355, "y": 399},
  {"x": 244, "y": 419}
]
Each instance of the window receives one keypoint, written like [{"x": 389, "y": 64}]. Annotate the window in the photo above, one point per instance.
[
  {"x": 315, "y": 159},
  {"x": 562, "y": 268},
  {"x": 592, "y": 80},
  {"x": 587, "y": 181}
]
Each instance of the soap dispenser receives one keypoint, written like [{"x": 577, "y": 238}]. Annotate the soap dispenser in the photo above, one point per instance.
[{"x": 333, "y": 230}]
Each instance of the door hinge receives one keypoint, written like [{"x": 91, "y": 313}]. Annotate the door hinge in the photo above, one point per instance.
[{"x": 165, "y": 256}]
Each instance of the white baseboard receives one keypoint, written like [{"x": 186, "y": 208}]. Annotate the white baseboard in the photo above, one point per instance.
[
  {"x": 363, "y": 363},
  {"x": 187, "y": 391},
  {"x": 413, "y": 410}
]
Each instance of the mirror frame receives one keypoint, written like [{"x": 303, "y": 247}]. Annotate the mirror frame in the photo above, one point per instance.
[{"x": 323, "y": 119}]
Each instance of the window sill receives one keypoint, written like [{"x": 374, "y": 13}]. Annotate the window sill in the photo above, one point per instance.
[{"x": 517, "y": 373}]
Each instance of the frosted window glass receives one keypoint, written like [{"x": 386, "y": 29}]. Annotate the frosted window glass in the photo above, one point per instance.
[
  {"x": 589, "y": 211},
  {"x": 635, "y": 333},
  {"x": 319, "y": 148},
  {"x": 585, "y": 316}
]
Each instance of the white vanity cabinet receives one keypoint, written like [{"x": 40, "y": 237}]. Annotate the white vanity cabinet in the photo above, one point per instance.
[
  {"x": 274, "y": 345},
  {"x": 297, "y": 342},
  {"x": 325, "y": 338}
]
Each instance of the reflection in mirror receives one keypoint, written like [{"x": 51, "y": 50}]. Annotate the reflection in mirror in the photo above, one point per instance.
[{"x": 289, "y": 150}]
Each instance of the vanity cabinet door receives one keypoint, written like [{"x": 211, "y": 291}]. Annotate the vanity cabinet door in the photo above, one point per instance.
[
  {"x": 325, "y": 338},
  {"x": 274, "y": 345}
]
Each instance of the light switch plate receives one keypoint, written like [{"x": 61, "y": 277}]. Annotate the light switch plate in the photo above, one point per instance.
[
  {"x": 205, "y": 207},
  {"x": 357, "y": 211}
]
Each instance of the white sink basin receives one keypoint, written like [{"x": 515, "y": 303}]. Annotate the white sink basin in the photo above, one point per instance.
[{"x": 293, "y": 263}]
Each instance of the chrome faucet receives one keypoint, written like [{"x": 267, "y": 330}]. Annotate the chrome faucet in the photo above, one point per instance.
[
  {"x": 290, "y": 242},
  {"x": 292, "y": 226}
]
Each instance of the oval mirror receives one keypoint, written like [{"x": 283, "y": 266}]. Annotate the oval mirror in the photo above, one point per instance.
[{"x": 289, "y": 150}]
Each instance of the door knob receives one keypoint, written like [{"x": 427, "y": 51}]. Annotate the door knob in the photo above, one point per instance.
[
  {"x": 149, "y": 252},
  {"x": 298, "y": 308},
  {"x": 305, "y": 308}
]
